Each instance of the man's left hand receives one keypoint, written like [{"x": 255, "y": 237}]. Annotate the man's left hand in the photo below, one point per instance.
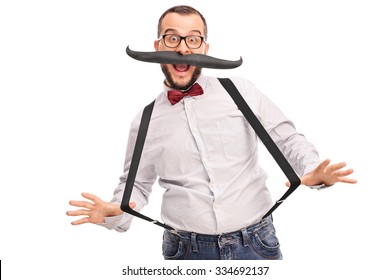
[{"x": 327, "y": 174}]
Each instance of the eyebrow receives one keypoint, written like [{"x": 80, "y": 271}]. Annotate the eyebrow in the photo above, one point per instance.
[{"x": 176, "y": 31}]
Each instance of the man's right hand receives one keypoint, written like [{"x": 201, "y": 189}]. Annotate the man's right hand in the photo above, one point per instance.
[{"x": 95, "y": 209}]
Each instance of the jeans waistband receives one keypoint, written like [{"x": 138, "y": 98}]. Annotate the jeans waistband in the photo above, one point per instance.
[{"x": 241, "y": 235}]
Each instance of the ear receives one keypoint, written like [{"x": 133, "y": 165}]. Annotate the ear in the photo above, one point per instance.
[
  {"x": 206, "y": 48},
  {"x": 155, "y": 45}
]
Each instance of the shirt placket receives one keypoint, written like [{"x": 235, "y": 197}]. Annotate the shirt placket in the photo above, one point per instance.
[
  {"x": 193, "y": 124},
  {"x": 196, "y": 133}
]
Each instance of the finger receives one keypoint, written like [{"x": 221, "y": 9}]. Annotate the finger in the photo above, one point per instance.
[
  {"x": 81, "y": 221},
  {"x": 132, "y": 205},
  {"x": 347, "y": 180},
  {"x": 81, "y": 212},
  {"x": 322, "y": 165},
  {"x": 343, "y": 173},
  {"x": 91, "y": 197},
  {"x": 84, "y": 204},
  {"x": 336, "y": 166}
]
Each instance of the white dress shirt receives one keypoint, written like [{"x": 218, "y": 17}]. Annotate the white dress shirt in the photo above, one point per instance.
[{"x": 204, "y": 154}]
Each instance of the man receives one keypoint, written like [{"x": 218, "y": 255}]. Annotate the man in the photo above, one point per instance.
[{"x": 205, "y": 155}]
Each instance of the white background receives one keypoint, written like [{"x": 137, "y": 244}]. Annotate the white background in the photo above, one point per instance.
[{"x": 69, "y": 93}]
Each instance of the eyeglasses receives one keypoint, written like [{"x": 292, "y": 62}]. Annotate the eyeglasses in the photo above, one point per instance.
[{"x": 173, "y": 40}]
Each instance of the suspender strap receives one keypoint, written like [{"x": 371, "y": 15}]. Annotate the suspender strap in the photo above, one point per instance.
[
  {"x": 265, "y": 138},
  {"x": 139, "y": 144}
]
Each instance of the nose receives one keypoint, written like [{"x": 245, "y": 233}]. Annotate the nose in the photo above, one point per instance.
[{"x": 182, "y": 48}]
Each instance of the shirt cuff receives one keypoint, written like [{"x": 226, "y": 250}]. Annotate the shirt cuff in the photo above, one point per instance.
[
  {"x": 319, "y": 187},
  {"x": 120, "y": 223}
]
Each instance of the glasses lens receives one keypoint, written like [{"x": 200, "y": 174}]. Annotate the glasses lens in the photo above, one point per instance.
[
  {"x": 171, "y": 41},
  {"x": 192, "y": 41}
]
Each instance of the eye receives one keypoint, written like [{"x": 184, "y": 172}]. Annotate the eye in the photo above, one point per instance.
[
  {"x": 193, "y": 40},
  {"x": 173, "y": 38}
]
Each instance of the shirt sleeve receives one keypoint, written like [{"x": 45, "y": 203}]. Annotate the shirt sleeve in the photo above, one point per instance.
[{"x": 146, "y": 177}]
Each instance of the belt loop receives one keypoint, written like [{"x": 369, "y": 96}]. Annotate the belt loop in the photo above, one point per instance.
[
  {"x": 193, "y": 243},
  {"x": 245, "y": 237}
]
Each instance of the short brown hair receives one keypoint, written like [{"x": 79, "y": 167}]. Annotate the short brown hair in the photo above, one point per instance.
[{"x": 182, "y": 10}]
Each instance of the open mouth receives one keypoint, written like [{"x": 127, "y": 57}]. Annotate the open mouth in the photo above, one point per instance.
[{"x": 181, "y": 67}]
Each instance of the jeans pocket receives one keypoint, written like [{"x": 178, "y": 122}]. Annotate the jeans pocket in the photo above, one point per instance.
[
  {"x": 173, "y": 248},
  {"x": 265, "y": 243}
]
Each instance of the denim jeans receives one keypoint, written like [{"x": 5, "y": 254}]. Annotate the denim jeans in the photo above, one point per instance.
[{"x": 256, "y": 242}]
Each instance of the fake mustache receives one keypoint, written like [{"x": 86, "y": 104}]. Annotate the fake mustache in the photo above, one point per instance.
[{"x": 170, "y": 57}]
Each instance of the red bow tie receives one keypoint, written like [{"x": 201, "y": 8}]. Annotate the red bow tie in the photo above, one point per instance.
[{"x": 175, "y": 96}]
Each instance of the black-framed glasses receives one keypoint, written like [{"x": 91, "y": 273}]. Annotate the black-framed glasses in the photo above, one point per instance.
[{"x": 174, "y": 40}]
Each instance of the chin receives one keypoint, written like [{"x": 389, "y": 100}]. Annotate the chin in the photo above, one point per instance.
[{"x": 182, "y": 83}]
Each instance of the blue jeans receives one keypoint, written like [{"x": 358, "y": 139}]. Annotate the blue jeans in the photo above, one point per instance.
[{"x": 256, "y": 242}]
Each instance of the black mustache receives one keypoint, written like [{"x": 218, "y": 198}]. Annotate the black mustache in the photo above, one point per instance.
[{"x": 171, "y": 57}]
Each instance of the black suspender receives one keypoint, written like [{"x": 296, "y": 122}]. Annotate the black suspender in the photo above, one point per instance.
[
  {"x": 253, "y": 121},
  {"x": 139, "y": 144},
  {"x": 266, "y": 139}
]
